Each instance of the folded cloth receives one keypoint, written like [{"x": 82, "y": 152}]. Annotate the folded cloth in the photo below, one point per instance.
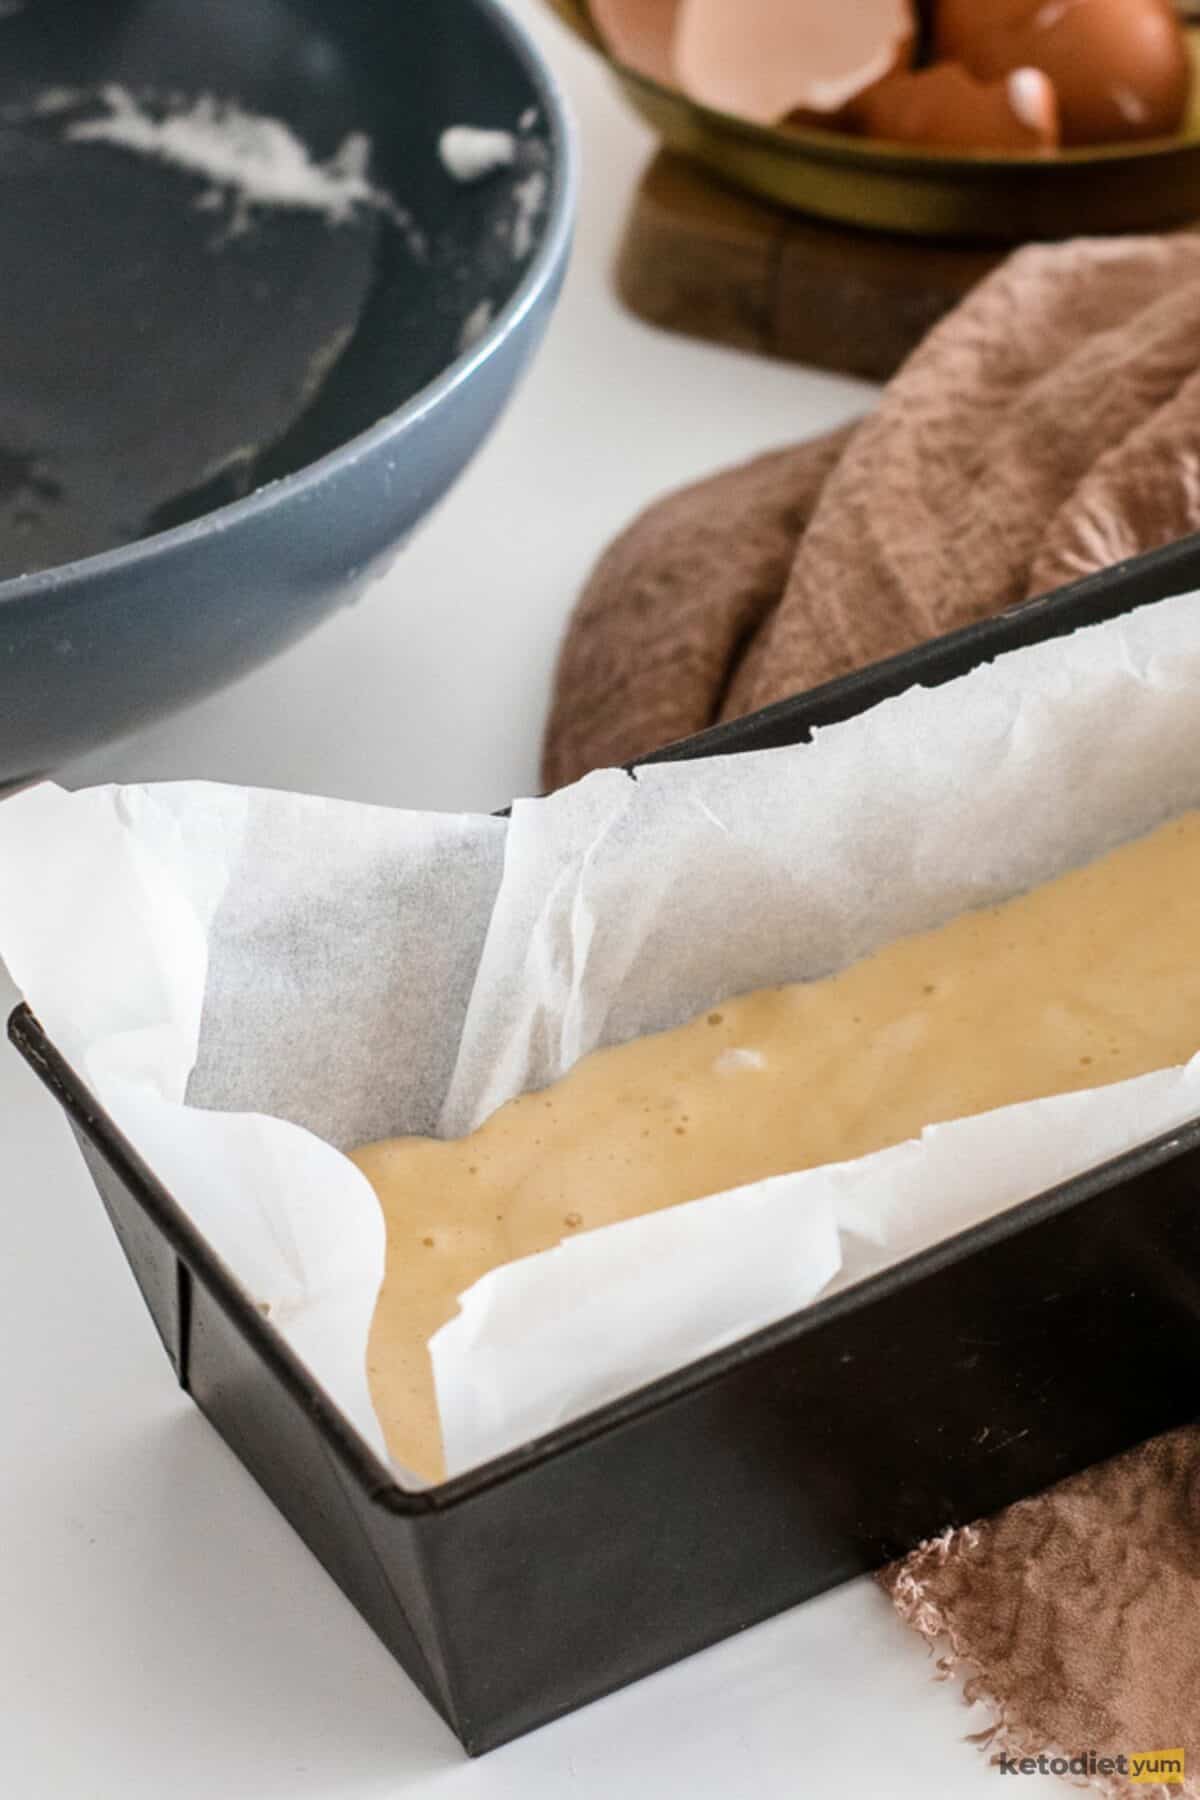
[
  {"x": 1047, "y": 427},
  {"x": 1075, "y": 1616}
]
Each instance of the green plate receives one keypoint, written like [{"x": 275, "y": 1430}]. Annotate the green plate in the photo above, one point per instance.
[{"x": 995, "y": 196}]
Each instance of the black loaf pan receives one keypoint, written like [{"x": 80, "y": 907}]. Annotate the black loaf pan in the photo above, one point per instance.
[{"x": 975, "y": 1373}]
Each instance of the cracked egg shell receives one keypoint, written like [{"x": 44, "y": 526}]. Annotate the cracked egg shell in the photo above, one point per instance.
[
  {"x": 639, "y": 33},
  {"x": 945, "y": 107},
  {"x": 1120, "y": 68},
  {"x": 765, "y": 60}
]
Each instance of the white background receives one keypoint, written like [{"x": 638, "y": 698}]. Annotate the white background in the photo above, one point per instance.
[{"x": 162, "y": 1632}]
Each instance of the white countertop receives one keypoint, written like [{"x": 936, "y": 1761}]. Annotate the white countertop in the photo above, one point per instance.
[{"x": 162, "y": 1632}]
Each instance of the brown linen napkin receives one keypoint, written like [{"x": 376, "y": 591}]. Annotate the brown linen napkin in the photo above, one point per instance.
[
  {"x": 1075, "y": 1616},
  {"x": 1048, "y": 427}
]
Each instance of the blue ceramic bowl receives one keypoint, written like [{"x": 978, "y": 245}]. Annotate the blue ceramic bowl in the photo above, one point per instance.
[{"x": 220, "y": 419}]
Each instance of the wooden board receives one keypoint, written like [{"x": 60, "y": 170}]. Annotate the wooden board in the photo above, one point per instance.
[{"x": 710, "y": 261}]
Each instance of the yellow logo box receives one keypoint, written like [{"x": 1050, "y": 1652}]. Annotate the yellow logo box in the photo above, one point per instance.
[{"x": 1164, "y": 1767}]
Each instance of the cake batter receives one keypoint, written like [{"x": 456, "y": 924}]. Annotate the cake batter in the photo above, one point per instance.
[{"x": 1091, "y": 978}]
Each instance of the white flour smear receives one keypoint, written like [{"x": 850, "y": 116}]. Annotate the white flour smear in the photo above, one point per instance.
[
  {"x": 469, "y": 152},
  {"x": 530, "y": 197},
  {"x": 251, "y": 159},
  {"x": 475, "y": 324}
]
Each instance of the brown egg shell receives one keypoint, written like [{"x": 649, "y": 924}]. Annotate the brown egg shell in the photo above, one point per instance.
[
  {"x": 945, "y": 107},
  {"x": 1120, "y": 68},
  {"x": 640, "y": 34},
  {"x": 764, "y": 60}
]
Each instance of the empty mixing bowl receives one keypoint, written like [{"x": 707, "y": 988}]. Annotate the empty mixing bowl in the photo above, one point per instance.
[{"x": 259, "y": 310}]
